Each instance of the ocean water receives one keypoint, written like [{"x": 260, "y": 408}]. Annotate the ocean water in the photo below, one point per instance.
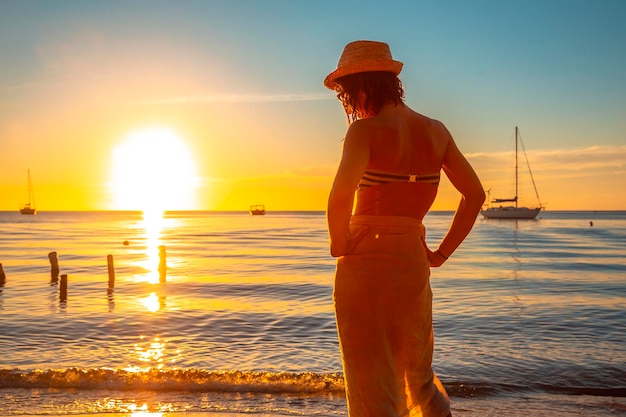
[{"x": 529, "y": 316}]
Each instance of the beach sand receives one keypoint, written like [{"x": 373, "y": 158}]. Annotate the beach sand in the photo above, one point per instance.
[{"x": 157, "y": 414}]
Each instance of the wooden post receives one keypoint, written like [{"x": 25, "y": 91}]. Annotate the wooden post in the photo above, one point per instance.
[
  {"x": 3, "y": 277},
  {"x": 63, "y": 289},
  {"x": 54, "y": 267},
  {"x": 111, "y": 272},
  {"x": 162, "y": 264}
]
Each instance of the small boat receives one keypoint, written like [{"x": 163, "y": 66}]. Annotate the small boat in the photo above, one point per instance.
[
  {"x": 257, "y": 210},
  {"x": 29, "y": 208},
  {"x": 513, "y": 211}
]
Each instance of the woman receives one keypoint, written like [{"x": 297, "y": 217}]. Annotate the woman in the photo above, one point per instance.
[{"x": 392, "y": 159}]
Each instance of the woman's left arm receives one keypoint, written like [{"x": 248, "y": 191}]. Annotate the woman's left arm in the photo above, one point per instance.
[{"x": 354, "y": 160}]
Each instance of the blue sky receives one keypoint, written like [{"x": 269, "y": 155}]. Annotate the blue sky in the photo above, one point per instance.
[{"x": 555, "y": 68}]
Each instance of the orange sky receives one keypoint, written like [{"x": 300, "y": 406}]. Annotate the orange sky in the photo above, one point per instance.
[{"x": 242, "y": 154}]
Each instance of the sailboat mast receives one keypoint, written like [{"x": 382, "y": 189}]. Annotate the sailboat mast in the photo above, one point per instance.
[
  {"x": 516, "y": 179},
  {"x": 30, "y": 191}
]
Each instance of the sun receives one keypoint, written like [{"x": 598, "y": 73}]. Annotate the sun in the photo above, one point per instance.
[{"x": 153, "y": 171}]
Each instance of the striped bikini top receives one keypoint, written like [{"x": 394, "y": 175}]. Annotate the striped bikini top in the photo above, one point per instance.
[{"x": 372, "y": 178}]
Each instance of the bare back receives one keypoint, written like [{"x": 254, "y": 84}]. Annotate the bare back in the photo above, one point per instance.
[{"x": 403, "y": 142}]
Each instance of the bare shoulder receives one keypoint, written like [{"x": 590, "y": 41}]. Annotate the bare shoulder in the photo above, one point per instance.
[
  {"x": 360, "y": 125},
  {"x": 435, "y": 128},
  {"x": 360, "y": 130},
  {"x": 439, "y": 131},
  {"x": 358, "y": 138},
  {"x": 432, "y": 134}
]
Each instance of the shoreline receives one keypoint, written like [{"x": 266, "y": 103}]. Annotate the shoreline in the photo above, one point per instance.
[
  {"x": 154, "y": 414},
  {"x": 537, "y": 405}
]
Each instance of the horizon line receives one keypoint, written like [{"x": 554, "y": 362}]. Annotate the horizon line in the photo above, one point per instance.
[{"x": 271, "y": 211}]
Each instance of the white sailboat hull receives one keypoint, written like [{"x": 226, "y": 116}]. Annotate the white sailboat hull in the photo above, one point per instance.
[
  {"x": 510, "y": 212},
  {"x": 27, "y": 209}
]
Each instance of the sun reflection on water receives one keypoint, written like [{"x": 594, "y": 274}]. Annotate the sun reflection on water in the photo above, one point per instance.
[
  {"x": 142, "y": 411},
  {"x": 152, "y": 355},
  {"x": 152, "y": 302},
  {"x": 135, "y": 410},
  {"x": 153, "y": 222}
]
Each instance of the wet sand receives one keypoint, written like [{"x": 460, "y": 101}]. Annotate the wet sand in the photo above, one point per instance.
[{"x": 158, "y": 414}]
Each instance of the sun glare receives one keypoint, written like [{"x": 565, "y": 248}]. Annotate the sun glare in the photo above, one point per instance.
[{"x": 153, "y": 171}]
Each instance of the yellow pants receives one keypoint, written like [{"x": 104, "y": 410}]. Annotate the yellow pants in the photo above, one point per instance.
[{"x": 383, "y": 306}]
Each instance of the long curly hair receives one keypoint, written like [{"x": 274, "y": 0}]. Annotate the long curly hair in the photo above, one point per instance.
[{"x": 379, "y": 87}]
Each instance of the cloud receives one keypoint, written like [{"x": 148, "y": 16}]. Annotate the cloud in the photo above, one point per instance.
[
  {"x": 569, "y": 179},
  {"x": 579, "y": 160},
  {"x": 239, "y": 98},
  {"x": 591, "y": 158}
]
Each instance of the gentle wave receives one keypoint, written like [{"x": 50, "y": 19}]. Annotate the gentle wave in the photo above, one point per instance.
[
  {"x": 191, "y": 380},
  {"x": 260, "y": 382}
]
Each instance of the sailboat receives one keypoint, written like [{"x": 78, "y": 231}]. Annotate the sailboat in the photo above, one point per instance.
[
  {"x": 513, "y": 211},
  {"x": 257, "y": 210},
  {"x": 29, "y": 208}
]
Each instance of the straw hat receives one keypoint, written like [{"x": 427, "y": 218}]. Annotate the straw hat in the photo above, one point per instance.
[{"x": 363, "y": 56}]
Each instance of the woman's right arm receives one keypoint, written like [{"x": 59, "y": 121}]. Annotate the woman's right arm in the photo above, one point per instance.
[{"x": 464, "y": 179}]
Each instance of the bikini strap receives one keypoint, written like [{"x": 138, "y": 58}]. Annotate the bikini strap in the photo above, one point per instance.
[{"x": 372, "y": 178}]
